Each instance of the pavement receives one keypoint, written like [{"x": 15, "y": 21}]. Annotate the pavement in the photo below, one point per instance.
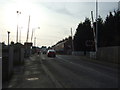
[{"x": 30, "y": 75}]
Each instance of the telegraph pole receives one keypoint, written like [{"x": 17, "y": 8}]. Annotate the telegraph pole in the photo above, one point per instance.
[
  {"x": 34, "y": 41},
  {"x": 33, "y": 32},
  {"x": 94, "y": 31},
  {"x": 32, "y": 35},
  {"x": 96, "y": 24},
  {"x": 72, "y": 40},
  {"x": 20, "y": 35}
]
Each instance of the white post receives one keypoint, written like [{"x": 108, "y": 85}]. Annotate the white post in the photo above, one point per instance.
[{"x": 96, "y": 24}]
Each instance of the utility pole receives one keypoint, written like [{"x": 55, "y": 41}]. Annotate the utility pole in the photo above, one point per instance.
[
  {"x": 94, "y": 31},
  {"x": 33, "y": 32},
  {"x": 28, "y": 29},
  {"x": 72, "y": 40},
  {"x": 20, "y": 35},
  {"x": 34, "y": 41},
  {"x": 96, "y": 24},
  {"x": 32, "y": 35}
]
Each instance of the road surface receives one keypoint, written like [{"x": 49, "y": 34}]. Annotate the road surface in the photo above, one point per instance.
[
  {"x": 73, "y": 72},
  {"x": 63, "y": 71}
]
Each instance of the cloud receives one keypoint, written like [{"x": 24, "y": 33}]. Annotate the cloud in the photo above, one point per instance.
[
  {"x": 54, "y": 18},
  {"x": 58, "y": 7},
  {"x": 75, "y": 9},
  {"x": 64, "y": 11}
]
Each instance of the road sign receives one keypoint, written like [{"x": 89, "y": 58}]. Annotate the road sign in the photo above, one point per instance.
[{"x": 89, "y": 43}]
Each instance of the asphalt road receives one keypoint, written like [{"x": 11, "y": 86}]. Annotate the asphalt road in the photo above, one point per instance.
[{"x": 73, "y": 72}]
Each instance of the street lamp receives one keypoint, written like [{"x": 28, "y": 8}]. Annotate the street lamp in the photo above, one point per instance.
[
  {"x": 72, "y": 41},
  {"x": 18, "y": 12},
  {"x": 8, "y": 37},
  {"x": 20, "y": 35},
  {"x": 33, "y": 31},
  {"x": 34, "y": 41}
]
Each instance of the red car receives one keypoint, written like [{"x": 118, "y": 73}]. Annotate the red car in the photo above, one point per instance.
[{"x": 51, "y": 53}]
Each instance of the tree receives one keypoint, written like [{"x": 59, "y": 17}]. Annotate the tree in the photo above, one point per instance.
[
  {"x": 83, "y": 34},
  {"x": 111, "y": 29}
]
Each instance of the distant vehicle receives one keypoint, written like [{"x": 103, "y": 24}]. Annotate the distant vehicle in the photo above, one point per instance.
[
  {"x": 38, "y": 52},
  {"x": 45, "y": 51},
  {"x": 51, "y": 53}
]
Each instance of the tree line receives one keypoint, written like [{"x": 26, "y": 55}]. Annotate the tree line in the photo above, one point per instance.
[{"x": 108, "y": 33}]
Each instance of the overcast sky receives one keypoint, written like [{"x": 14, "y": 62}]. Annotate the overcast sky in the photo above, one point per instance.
[{"x": 54, "y": 18}]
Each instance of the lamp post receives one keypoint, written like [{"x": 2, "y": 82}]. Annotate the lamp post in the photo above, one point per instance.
[
  {"x": 28, "y": 29},
  {"x": 20, "y": 35},
  {"x": 8, "y": 37},
  {"x": 34, "y": 41},
  {"x": 18, "y": 12},
  {"x": 33, "y": 31},
  {"x": 72, "y": 40}
]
